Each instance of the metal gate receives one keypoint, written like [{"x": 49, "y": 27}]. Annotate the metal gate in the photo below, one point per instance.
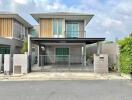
[{"x": 49, "y": 63}]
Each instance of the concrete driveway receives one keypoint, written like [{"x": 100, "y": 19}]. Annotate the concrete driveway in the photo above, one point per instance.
[{"x": 66, "y": 90}]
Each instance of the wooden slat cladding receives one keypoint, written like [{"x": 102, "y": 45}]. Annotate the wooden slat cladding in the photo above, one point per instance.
[
  {"x": 6, "y": 27},
  {"x": 46, "y": 28}
]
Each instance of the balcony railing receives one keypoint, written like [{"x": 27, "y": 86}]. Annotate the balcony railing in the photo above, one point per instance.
[
  {"x": 18, "y": 36},
  {"x": 75, "y": 34}
]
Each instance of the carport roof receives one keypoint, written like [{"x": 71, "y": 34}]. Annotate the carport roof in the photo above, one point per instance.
[{"x": 66, "y": 40}]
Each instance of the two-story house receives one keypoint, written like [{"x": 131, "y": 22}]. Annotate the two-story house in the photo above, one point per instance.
[
  {"x": 13, "y": 30},
  {"x": 62, "y": 38}
]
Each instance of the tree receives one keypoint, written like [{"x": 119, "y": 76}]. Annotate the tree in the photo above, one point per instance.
[
  {"x": 25, "y": 47},
  {"x": 126, "y": 55}
]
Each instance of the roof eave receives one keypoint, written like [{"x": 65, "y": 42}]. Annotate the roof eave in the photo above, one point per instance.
[
  {"x": 39, "y": 15},
  {"x": 17, "y": 17}
]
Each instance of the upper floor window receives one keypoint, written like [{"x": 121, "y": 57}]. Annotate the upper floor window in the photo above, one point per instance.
[
  {"x": 57, "y": 27},
  {"x": 19, "y": 30},
  {"x": 72, "y": 29}
]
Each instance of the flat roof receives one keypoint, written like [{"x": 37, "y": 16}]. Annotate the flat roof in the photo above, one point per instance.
[
  {"x": 65, "y": 15},
  {"x": 66, "y": 40},
  {"x": 15, "y": 16}
]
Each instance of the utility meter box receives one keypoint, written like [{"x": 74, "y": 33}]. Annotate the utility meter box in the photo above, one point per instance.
[{"x": 101, "y": 63}]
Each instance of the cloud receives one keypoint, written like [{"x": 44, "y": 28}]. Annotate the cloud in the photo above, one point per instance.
[
  {"x": 111, "y": 16},
  {"x": 124, "y": 8},
  {"x": 21, "y": 1},
  {"x": 109, "y": 23}
]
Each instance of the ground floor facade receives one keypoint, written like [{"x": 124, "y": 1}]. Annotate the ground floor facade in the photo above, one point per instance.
[
  {"x": 60, "y": 53},
  {"x": 53, "y": 54}
]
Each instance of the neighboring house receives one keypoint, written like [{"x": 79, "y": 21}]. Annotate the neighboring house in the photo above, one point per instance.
[
  {"x": 13, "y": 30},
  {"x": 62, "y": 38}
]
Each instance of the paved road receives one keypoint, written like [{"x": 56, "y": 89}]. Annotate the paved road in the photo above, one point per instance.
[{"x": 67, "y": 90}]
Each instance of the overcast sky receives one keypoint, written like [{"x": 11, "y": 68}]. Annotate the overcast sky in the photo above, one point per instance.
[{"x": 113, "y": 18}]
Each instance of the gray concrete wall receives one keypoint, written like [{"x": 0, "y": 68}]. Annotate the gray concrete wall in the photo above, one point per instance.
[
  {"x": 81, "y": 29},
  {"x": 111, "y": 49},
  {"x": 21, "y": 60}
]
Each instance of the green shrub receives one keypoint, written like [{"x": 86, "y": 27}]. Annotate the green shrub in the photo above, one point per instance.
[
  {"x": 125, "y": 55},
  {"x": 25, "y": 47}
]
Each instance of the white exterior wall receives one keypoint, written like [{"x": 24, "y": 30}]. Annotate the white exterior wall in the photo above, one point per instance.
[{"x": 21, "y": 60}]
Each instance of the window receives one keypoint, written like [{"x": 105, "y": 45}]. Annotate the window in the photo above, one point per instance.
[
  {"x": 62, "y": 55},
  {"x": 72, "y": 29},
  {"x": 57, "y": 27}
]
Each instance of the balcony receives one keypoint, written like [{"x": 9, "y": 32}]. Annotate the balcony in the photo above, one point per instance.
[
  {"x": 18, "y": 36},
  {"x": 75, "y": 34}
]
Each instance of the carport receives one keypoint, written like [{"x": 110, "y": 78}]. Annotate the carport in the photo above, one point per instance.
[{"x": 47, "y": 60}]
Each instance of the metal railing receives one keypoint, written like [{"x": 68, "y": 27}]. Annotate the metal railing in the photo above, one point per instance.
[
  {"x": 60, "y": 63},
  {"x": 61, "y": 60},
  {"x": 18, "y": 36},
  {"x": 75, "y": 34}
]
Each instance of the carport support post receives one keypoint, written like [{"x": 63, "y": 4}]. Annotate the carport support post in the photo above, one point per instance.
[
  {"x": 11, "y": 57},
  {"x": 29, "y": 45},
  {"x": 29, "y": 52},
  {"x": 84, "y": 54}
]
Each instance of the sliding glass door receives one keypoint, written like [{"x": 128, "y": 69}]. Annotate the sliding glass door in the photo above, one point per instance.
[
  {"x": 72, "y": 29},
  {"x": 62, "y": 55}
]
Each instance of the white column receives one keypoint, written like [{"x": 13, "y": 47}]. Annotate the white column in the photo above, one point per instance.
[
  {"x": 29, "y": 53},
  {"x": 29, "y": 45},
  {"x": 84, "y": 54}
]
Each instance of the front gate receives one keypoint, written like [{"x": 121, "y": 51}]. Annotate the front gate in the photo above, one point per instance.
[{"x": 60, "y": 63}]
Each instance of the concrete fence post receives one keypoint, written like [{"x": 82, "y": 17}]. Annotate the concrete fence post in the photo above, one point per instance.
[
  {"x": 29, "y": 52},
  {"x": 7, "y": 64}
]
